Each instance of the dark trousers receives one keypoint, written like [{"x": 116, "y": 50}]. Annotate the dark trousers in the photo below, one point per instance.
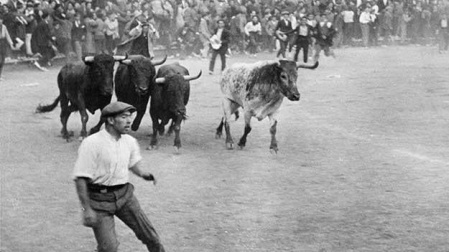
[
  {"x": 47, "y": 54},
  {"x": 215, "y": 53},
  {"x": 283, "y": 48},
  {"x": 302, "y": 43},
  {"x": 123, "y": 204},
  {"x": 110, "y": 44},
  {"x": 252, "y": 45}
]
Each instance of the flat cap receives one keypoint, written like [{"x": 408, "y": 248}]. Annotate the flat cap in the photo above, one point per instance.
[{"x": 116, "y": 108}]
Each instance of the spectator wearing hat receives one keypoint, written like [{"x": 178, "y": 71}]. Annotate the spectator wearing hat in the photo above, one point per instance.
[
  {"x": 140, "y": 41},
  {"x": 284, "y": 25},
  {"x": 43, "y": 40},
  {"x": 102, "y": 181},
  {"x": 5, "y": 40}
]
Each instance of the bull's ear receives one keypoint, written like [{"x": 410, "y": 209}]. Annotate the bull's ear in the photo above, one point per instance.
[{"x": 189, "y": 77}]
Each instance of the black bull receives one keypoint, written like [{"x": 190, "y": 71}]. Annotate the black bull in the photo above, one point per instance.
[
  {"x": 169, "y": 99},
  {"x": 134, "y": 82},
  {"x": 84, "y": 86}
]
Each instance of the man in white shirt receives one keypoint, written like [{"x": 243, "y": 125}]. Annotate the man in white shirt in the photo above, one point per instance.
[
  {"x": 365, "y": 19},
  {"x": 101, "y": 177},
  {"x": 348, "y": 25}
]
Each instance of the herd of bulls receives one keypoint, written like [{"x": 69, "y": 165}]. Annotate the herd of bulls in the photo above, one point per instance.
[{"x": 258, "y": 88}]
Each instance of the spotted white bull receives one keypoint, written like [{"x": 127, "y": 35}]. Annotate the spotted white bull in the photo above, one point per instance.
[{"x": 258, "y": 88}]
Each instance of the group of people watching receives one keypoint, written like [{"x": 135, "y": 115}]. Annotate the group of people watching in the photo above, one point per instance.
[{"x": 185, "y": 27}]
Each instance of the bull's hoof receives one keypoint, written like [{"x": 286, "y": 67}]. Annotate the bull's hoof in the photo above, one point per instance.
[
  {"x": 81, "y": 138},
  {"x": 274, "y": 149},
  {"x": 177, "y": 149},
  {"x": 230, "y": 146},
  {"x": 218, "y": 135},
  {"x": 67, "y": 135},
  {"x": 151, "y": 147}
]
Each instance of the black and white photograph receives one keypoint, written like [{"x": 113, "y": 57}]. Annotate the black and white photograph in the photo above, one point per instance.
[{"x": 224, "y": 125}]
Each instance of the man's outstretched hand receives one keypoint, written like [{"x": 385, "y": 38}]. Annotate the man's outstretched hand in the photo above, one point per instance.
[{"x": 149, "y": 177}]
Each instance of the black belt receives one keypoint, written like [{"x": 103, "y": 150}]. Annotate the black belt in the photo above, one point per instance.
[{"x": 104, "y": 189}]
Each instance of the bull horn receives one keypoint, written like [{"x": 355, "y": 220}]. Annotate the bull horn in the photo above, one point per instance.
[
  {"x": 160, "y": 80},
  {"x": 157, "y": 63},
  {"x": 120, "y": 57},
  {"x": 126, "y": 62},
  {"x": 189, "y": 78},
  {"x": 88, "y": 59},
  {"x": 298, "y": 65}
]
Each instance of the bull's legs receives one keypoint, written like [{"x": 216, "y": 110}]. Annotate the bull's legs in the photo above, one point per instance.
[
  {"x": 66, "y": 110},
  {"x": 242, "y": 141},
  {"x": 140, "y": 113},
  {"x": 84, "y": 119},
  {"x": 177, "y": 129},
  {"x": 273, "y": 124},
  {"x": 229, "y": 108},
  {"x": 219, "y": 131},
  {"x": 153, "y": 142},
  {"x": 171, "y": 128},
  {"x": 97, "y": 127},
  {"x": 137, "y": 120}
]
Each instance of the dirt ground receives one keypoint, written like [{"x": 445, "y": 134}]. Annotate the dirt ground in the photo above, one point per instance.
[{"x": 362, "y": 164}]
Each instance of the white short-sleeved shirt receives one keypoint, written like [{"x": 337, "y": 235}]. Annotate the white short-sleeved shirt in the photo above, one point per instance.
[{"x": 105, "y": 160}]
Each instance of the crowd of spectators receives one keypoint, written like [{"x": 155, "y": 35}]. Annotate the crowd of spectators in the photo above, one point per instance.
[{"x": 86, "y": 27}]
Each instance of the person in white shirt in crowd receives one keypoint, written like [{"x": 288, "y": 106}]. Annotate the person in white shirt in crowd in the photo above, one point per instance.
[
  {"x": 111, "y": 32},
  {"x": 364, "y": 20},
  {"x": 253, "y": 30},
  {"x": 348, "y": 25}
]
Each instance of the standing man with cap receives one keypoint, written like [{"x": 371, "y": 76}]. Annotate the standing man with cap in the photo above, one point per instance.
[
  {"x": 101, "y": 178},
  {"x": 284, "y": 25}
]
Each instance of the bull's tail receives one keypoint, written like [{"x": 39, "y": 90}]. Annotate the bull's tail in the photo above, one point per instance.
[{"x": 49, "y": 107}]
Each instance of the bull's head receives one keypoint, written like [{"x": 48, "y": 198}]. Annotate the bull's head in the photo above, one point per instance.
[
  {"x": 176, "y": 91},
  {"x": 288, "y": 77},
  {"x": 101, "y": 69},
  {"x": 141, "y": 70}
]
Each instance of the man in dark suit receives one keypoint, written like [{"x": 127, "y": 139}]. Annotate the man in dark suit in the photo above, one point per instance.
[
  {"x": 284, "y": 25},
  {"x": 223, "y": 35},
  {"x": 78, "y": 35},
  {"x": 304, "y": 34},
  {"x": 43, "y": 42}
]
